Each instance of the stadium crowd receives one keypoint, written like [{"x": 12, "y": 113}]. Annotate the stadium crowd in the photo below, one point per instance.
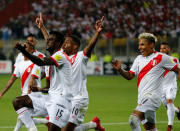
[{"x": 123, "y": 18}]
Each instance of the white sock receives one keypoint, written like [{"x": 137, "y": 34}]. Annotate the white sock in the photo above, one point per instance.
[
  {"x": 176, "y": 109},
  {"x": 87, "y": 126},
  {"x": 25, "y": 116},
  {"x": 170, "y": 113},
  {"x": 40, "y": 121},
  {"x": 19, "y": 124}
]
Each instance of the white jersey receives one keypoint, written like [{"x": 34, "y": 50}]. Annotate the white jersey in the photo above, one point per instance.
[
  {"x": 20, "y": 56},
  {"x": 150, "y": 72},
  {"x": 79, "y": 74},
  {"x": 170, "y": 79},
  {"x": 61, "y": 76},
  {"x": 24, "y": 70}
]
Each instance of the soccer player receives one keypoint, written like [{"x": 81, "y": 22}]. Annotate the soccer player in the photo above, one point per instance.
[
  {"x": 79, "y": 61},
  {"x": 149, "y": 67},
  {"x": 24, "y": 70},
  {"x": 59, "y": 104},
  {"x": 30, "y": 38},
  {"x": 169, "y": 85}
]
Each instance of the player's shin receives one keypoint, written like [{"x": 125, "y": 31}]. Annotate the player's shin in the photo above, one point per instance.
[
  {"x": 19, "y": 124},
  {"x": 134, "y": 123},
  {"x": 25, "y": 116},
  {"x": 170, "y": 113}
]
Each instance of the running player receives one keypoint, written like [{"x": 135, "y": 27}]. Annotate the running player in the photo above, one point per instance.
[
  {"x": 149, "y": 67},
  {"x": 169, "y": 85},
  {"x": 60, "y": 95},
  {"x": 79, "y": 61}
]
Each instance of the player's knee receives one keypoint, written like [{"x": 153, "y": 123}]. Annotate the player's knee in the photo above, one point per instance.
[
  {"x": 17, "y": 103},
  {"x": 134, "y": 121},
  {"x": 150, "y": 116},
  {"x": 22, "y": 101}
]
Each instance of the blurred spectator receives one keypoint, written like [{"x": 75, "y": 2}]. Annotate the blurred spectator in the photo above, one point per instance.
[
  {"x": 123, "y": 18},
  {"x": 93, "y": 58}
]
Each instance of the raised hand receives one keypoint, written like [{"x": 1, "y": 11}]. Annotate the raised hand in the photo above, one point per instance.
[
  {"x": 99, "y": 25},
  {"x": 39, "y": 21},
  {"x": 19, "y": 46},
  {"x": 116, "y": 64}
]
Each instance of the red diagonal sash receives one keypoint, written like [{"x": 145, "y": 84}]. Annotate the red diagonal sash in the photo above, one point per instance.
[{"x": 155, "y": 61}]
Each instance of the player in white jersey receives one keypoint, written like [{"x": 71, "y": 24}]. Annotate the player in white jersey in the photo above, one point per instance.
[
  {"x": 60, "y": 95},
  {"x": 149, "y": 67},
  {"x": 30, "y": 38},
  {"x": 169, "y": 85},
  {"x": 24, "y": 70},
  {"x": 79, "y": 61}
]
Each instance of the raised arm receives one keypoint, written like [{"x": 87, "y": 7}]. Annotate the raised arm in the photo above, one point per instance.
[
  {"x": 117, "y": 66},
  {"x": 36, "y": 60},
  {"x": 39, "y": 22},
  {"x": 9, "y": 84},
  {"x": 99, "y": 27}
]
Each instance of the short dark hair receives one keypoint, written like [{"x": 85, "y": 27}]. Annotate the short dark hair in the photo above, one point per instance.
[
  {"x": 59, "y": 36},
  {"x": 165, "y": 43},
  {"x": 76, "y": 39},
  {"x": 31, "y": 35}
]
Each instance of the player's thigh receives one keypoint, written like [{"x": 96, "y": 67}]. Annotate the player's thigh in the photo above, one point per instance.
[
  {"x": 39, "y": 107},
  {"x": 79, "y": 108}
]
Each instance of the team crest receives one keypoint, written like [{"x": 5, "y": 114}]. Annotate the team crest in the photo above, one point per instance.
[
  {"x": 154, "y": 62},
  {"x": 57, "y": 57}
]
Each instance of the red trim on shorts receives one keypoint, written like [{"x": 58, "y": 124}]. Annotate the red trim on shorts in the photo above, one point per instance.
[
  {"x": 54, "y": 60},
  {"x": 155, "y": 61},
  {"x": 22, "y": 112}
]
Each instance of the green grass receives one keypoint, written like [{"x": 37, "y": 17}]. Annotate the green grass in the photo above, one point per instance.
[{"x": 111, "y": 98}]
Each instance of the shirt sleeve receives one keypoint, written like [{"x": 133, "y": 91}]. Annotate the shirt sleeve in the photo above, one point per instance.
[
  {"x": 168, "y": 62},
  {"x": 36, "y": 71},
  {"x": 58, "y": 58},
  {"x": 134, "y": 68},
  {"x": 84, "y": 57},
  {"x": 16, "y": 72}
]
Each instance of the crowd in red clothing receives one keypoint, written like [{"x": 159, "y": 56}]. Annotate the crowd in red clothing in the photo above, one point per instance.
[{"x": 123, "y": 18}]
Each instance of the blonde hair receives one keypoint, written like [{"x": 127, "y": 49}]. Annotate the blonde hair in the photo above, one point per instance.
[{"x": 148, "y": 36}]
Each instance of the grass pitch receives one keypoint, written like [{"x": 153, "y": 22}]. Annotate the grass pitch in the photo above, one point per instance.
[{"x": 111, "y": 98}]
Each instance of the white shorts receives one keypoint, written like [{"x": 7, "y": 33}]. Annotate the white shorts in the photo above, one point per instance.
[
  {"x": 79, "y": 108},
  {"x": 58, "y": 110},
  {"x": 169, "y": 93},
  {"x": 149, "y": 104},
  {"x": 39, "y": 108}
]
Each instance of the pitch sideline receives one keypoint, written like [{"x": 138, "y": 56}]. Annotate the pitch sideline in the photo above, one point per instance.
[{"x": 109, "y": 124}]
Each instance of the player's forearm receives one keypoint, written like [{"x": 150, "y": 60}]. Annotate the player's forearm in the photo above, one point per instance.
[
  {"x": 44, "y": 32},
  {"x": 36, "y": 60},
  {"x": 88, "y": 49},
  {"x": 125, "y": 74}
]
